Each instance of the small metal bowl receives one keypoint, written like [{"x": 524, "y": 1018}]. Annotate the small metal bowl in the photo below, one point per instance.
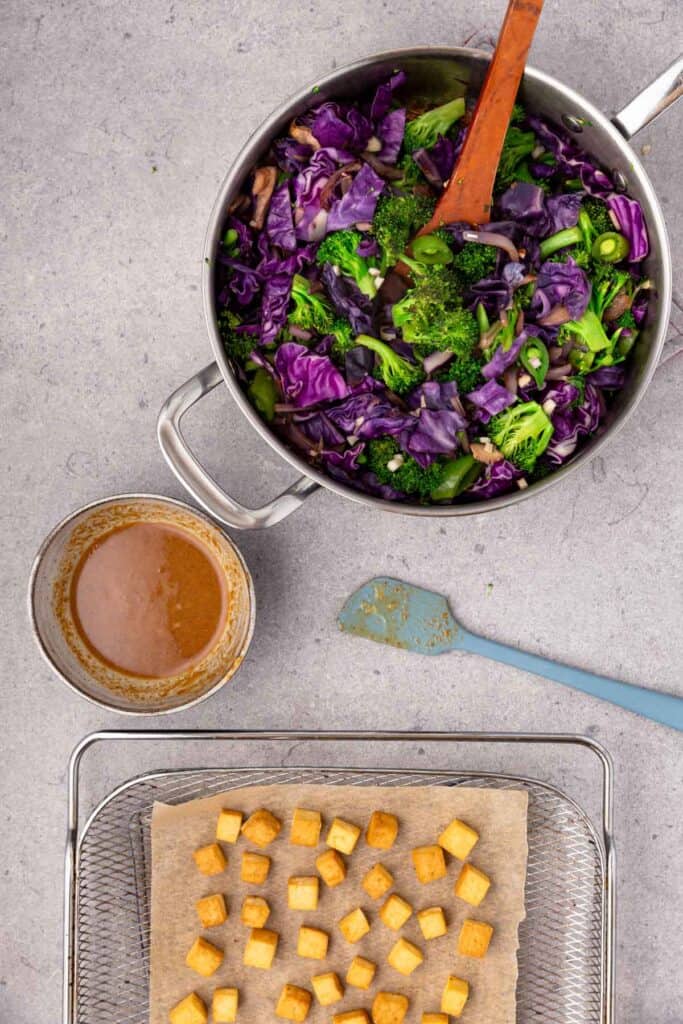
[{"x": 60, "y": 641}]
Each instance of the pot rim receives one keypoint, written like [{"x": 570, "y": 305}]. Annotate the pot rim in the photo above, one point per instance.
[
  {"x": 245, "y": 158},
  {"x": 38, "y": 637}
]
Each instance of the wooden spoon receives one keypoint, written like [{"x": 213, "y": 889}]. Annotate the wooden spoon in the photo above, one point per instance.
[{"x": 469, "y": 191}]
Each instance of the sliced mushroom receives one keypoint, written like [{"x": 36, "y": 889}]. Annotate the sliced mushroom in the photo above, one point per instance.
[
  {"x": 620, "y": 304},
  {"x": 486, "y": 453},
  {"x": 262, "y": 190},
  {"x": 303, "y": 135}
]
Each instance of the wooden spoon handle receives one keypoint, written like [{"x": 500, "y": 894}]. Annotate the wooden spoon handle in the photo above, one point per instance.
[{"x": 469, "y": 191}]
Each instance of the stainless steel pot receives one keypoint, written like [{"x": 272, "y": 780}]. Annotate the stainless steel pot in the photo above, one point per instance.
[{"x": 439, "y": 73}]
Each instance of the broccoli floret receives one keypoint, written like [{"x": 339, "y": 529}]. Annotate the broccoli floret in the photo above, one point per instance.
[
  {"x": 344, "y": 339},
  {"x": 518, "y": 114},
  {"x": 409, "y": 477},
  {"x": 627, "y": 321},
  {"x": 238, "y": 345},
  {"x": 397, "y": 219},
  {"x": 311, "y": 311},
  {"x": 594, "y": 220},
  {"x": 518, "y": 145},
  {"x": 340, "y": 249},
  {"x": 521, "y": 433},
  {"x": 412, "y": 175},
  {"x": 431, "y": 314},
  {"x": 397, "y": 373},
  {"x": 577, "y": 253},
  {"x": 448, "y": 329},
  {"x": 475, "y": 262},
  {"x": 465, "y": 371},
  {"x": 598, "y": 213},
  {"x": 423, "y": 131}
]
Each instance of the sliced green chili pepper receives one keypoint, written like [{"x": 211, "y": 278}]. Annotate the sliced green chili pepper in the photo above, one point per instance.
[
  {"x": 459, "y": 474},
  {"x": 535, "y": 359},
  {"x": 610, "y": 247},
  {"x": 263, "y": 394},
  {"x": 430, "y": 250},
  {"x": 230, "y": 238},
  {"x": 482, "y": 318}
]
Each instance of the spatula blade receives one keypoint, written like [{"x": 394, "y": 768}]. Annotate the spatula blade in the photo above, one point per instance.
[{"x": 396, "y": 613}]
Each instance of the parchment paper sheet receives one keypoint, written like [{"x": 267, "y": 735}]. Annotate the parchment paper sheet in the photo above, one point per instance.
[{"x": 498, "y": 815}]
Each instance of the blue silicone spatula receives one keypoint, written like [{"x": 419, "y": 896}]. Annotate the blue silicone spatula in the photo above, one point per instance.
[{"x": 391, "y": 612}]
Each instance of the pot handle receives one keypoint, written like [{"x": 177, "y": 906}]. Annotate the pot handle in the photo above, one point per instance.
[
  {"x": 194, "y": 477},
  {"x": 652, "y": 101}
]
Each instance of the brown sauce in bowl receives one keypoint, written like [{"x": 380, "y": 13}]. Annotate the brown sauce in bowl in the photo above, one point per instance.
[{"x": 148, "y": 599}]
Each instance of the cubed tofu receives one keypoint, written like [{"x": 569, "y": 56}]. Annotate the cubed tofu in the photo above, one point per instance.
[
  {"x": 302, "y": 892},
  {"x": 328, "y": 988},
  {"x": 224, "y": 1005},
  {"x": 211, "y": 910},
  {"x": 261, "y": 827},
  {"x": 312, "y": 943},
  {"x": 354, "y": 925},
  {"x": 361, "y": 972},
  {"x": 260, "y": 948},
  {"x": 332, "y": 868},
  {"x": 294, "y": 1003},
  {"x": 404, "y": 957},
  {"x": 255, "y": 911},
  {"x": 395, "y": 912},
  {"x": 432, "y": 922},
  {"x": 255, "y": 868},
  {"x": 190, "y": 1010},
  {"x": 454, "y": 997},
  {"x": 229, "y": 825},
  {"x": 458, "y": 839},
  {"x": 472, "y": 885},
  {"x": 389, "y": 1008},
  {"x": 210, "y": 859},
  {"x": 306, "y": 826},
  {"x": 429, "y": 863},
  {"x": 204, "y": 957},
  {"x": 434, "y": 1018},
  {"x": 474, "y": 938},
  {"x": 342, "y": 836},
  {"x": 382, "y": 830},
  {"x": 351, "y": 1017},
  {"x": 377, "y": 881}
]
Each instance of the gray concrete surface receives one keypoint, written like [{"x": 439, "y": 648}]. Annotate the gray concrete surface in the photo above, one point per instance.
[{"x": 118, "y": 122}]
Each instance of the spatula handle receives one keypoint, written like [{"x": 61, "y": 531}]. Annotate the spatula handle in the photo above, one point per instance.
[{"x": 665, "y": 708}]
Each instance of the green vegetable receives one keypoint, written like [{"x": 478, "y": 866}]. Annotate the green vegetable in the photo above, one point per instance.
[
  {"x": 430, "y": 314},
  {"x": 230, "y": 239},
  {"x": 423, "y": 131},
  {"x": 518, "y": 114},
  {"x": 483, "y": 322},
  {"x": 465, "y": 371},
  {"x": 535, "y": 359},
  {"x": 475, "y": 261},
  {"x": 311, "y": 311},
  {"x": 344, "y": 339},
  {"x": 397, "y": 218},
  {"x": 598, "y": 213},
  {"x": 263, "y": 393},
  {"x": 412, "y": 174},
  {"x": 518, "y": 145},
  {"x": 594, "y": 347},
  {"x": 578, "y": 254},
  {"x": 409, "y": 477},
  {"x": 627, "y": 320},
  {"x": 594, "y": 220},
  {"x": 458, "y": 475},
  {"x": 339, "y": 249},
  {"x": 238, "y": 346},
  {"x": 397, "y": 373},
  {"x": 431, "y": 249},
  {"x": 610, "y": 247},
  {"x": 521, "y": 433}
]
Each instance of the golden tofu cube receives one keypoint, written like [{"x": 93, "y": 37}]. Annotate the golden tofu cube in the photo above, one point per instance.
[
  {"x": 342, "y": 836},
  {"x": 434, "y": 1018},
  {"x": 429, "y": 863},
  {"x": 351, "y": 1017},
  {"x": 328, "y": 988},
  {"x": 224, "y": 1005},
  {"x": 212, "y": 910},
  {"x": 404, "y": 957},
  {"x": 302, "y": 892},
  {"x": 260, "y": 948},
  {"x": 294, "y": 1003},
  {"x": 306, "y": 826},
  {"x": 228, "y": 826},
  {"x": 432, "y": 922},
  {"x": 472, "y": 885},
  {"x": 261, "y": 827},
  {"x": 474, "y": 938},
  {"x": 312, "y": 943},
  {"x": 377, "y": 881},
  {"x": 354, "y": 926},
  {"x": 454, "y": 997},
  {"x": 382, "y": 830},
  {"x": 389, "y": 1008},
  {"x": 210, "y": 859},
  {"x": 332, "y": 868},
  {"x": 255, "y": 868},
  {"x": 190, "y": 1010},
  {"x": 204, "y": 957},
  {"x": 255, "y": 911},
  {"x": 395, "y": 912},
  {"x": 360, "y": 972},
  {"x": 458, "y": 839}
]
